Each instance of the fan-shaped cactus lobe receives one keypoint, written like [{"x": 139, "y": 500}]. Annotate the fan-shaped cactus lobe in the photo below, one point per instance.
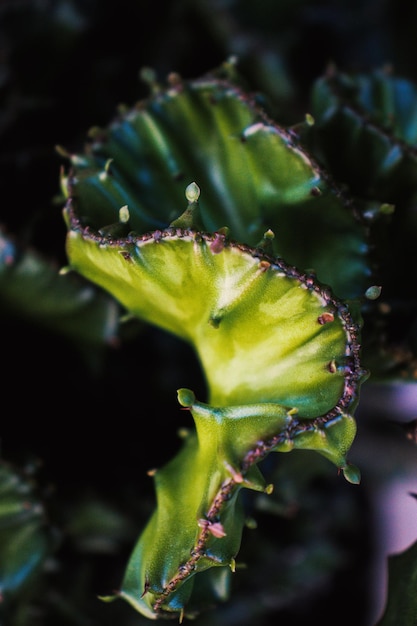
[
  {"x": 255, "y": 174},
  {"x": 281, "y": 357},
  {"x": 262, "y": 330}
]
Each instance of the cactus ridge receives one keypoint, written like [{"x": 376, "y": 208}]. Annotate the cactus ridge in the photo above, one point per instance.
[
  {"x": 211, "y": 525},
  {"x": 373, "y": 117}
]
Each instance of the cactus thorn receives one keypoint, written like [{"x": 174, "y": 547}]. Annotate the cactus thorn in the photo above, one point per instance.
[
  {"x": 292, "y": 411},
  {"x": 95, "y": 132},
  {"x": 351, "y": 473},
  {"x": 266, "y": 242},
  {"x": 189, "y": 219},
  {"x": 373, "y": 293},
  {"x": 215, "y": 528},
  {"x": 148, "y": 76},
  {"x": 192, "y": 192},
  {"x": 237, "y": 476},
  {"x": 310, "y": 121},
  {"x": 62, "y": 152},
  {"x": 217, "y": 245},
  {"x": 332, "y": 367},
  {"x": 232, "y": 60},
  {"x": 186, "y": 397},
  {"x": 124, "y": 215}
]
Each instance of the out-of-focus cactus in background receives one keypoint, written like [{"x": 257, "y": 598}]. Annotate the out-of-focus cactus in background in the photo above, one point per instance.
[{"x": 207, "y": 258}]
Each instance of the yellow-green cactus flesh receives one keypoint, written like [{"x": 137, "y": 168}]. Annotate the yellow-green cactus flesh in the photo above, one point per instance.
[{"x": 281, "y": 358}]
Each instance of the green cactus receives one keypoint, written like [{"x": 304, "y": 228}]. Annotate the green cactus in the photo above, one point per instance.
[
  {"x": 373, "y": 116},
  {"x": 279, "y": 351},
  {"x": 254, "y": 176},
  {"x": 321, "y": 204}
]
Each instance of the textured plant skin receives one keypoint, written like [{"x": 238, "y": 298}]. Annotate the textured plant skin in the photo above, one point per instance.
[
  {"x": 254, "y": 174},
  {"x": 279, "y": 351}
]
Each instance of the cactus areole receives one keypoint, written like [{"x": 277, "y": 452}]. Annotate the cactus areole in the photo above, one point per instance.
[{"x": 279, "y": 351}]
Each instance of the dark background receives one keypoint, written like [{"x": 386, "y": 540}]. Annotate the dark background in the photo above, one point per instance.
[{"x": 92, "y": 431}]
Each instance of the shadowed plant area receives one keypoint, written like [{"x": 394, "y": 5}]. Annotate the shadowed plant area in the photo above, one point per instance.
[{"x": 207, "y": 251}]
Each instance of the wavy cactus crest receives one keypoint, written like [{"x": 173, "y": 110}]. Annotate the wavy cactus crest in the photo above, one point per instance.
[{"x": 279, "y": 351}]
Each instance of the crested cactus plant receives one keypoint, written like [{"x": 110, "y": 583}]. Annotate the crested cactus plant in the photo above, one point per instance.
[
  {"x": 241, "y": 252},
  {"x": 261, "y": 270}
]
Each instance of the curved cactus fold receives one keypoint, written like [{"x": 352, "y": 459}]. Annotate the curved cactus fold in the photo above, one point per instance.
[
  {"x": 280, "y": 352},
  {"x": 255, "y": 175}
]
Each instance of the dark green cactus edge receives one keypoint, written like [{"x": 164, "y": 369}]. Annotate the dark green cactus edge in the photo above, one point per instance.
[{"x": 374, "y": 117}]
